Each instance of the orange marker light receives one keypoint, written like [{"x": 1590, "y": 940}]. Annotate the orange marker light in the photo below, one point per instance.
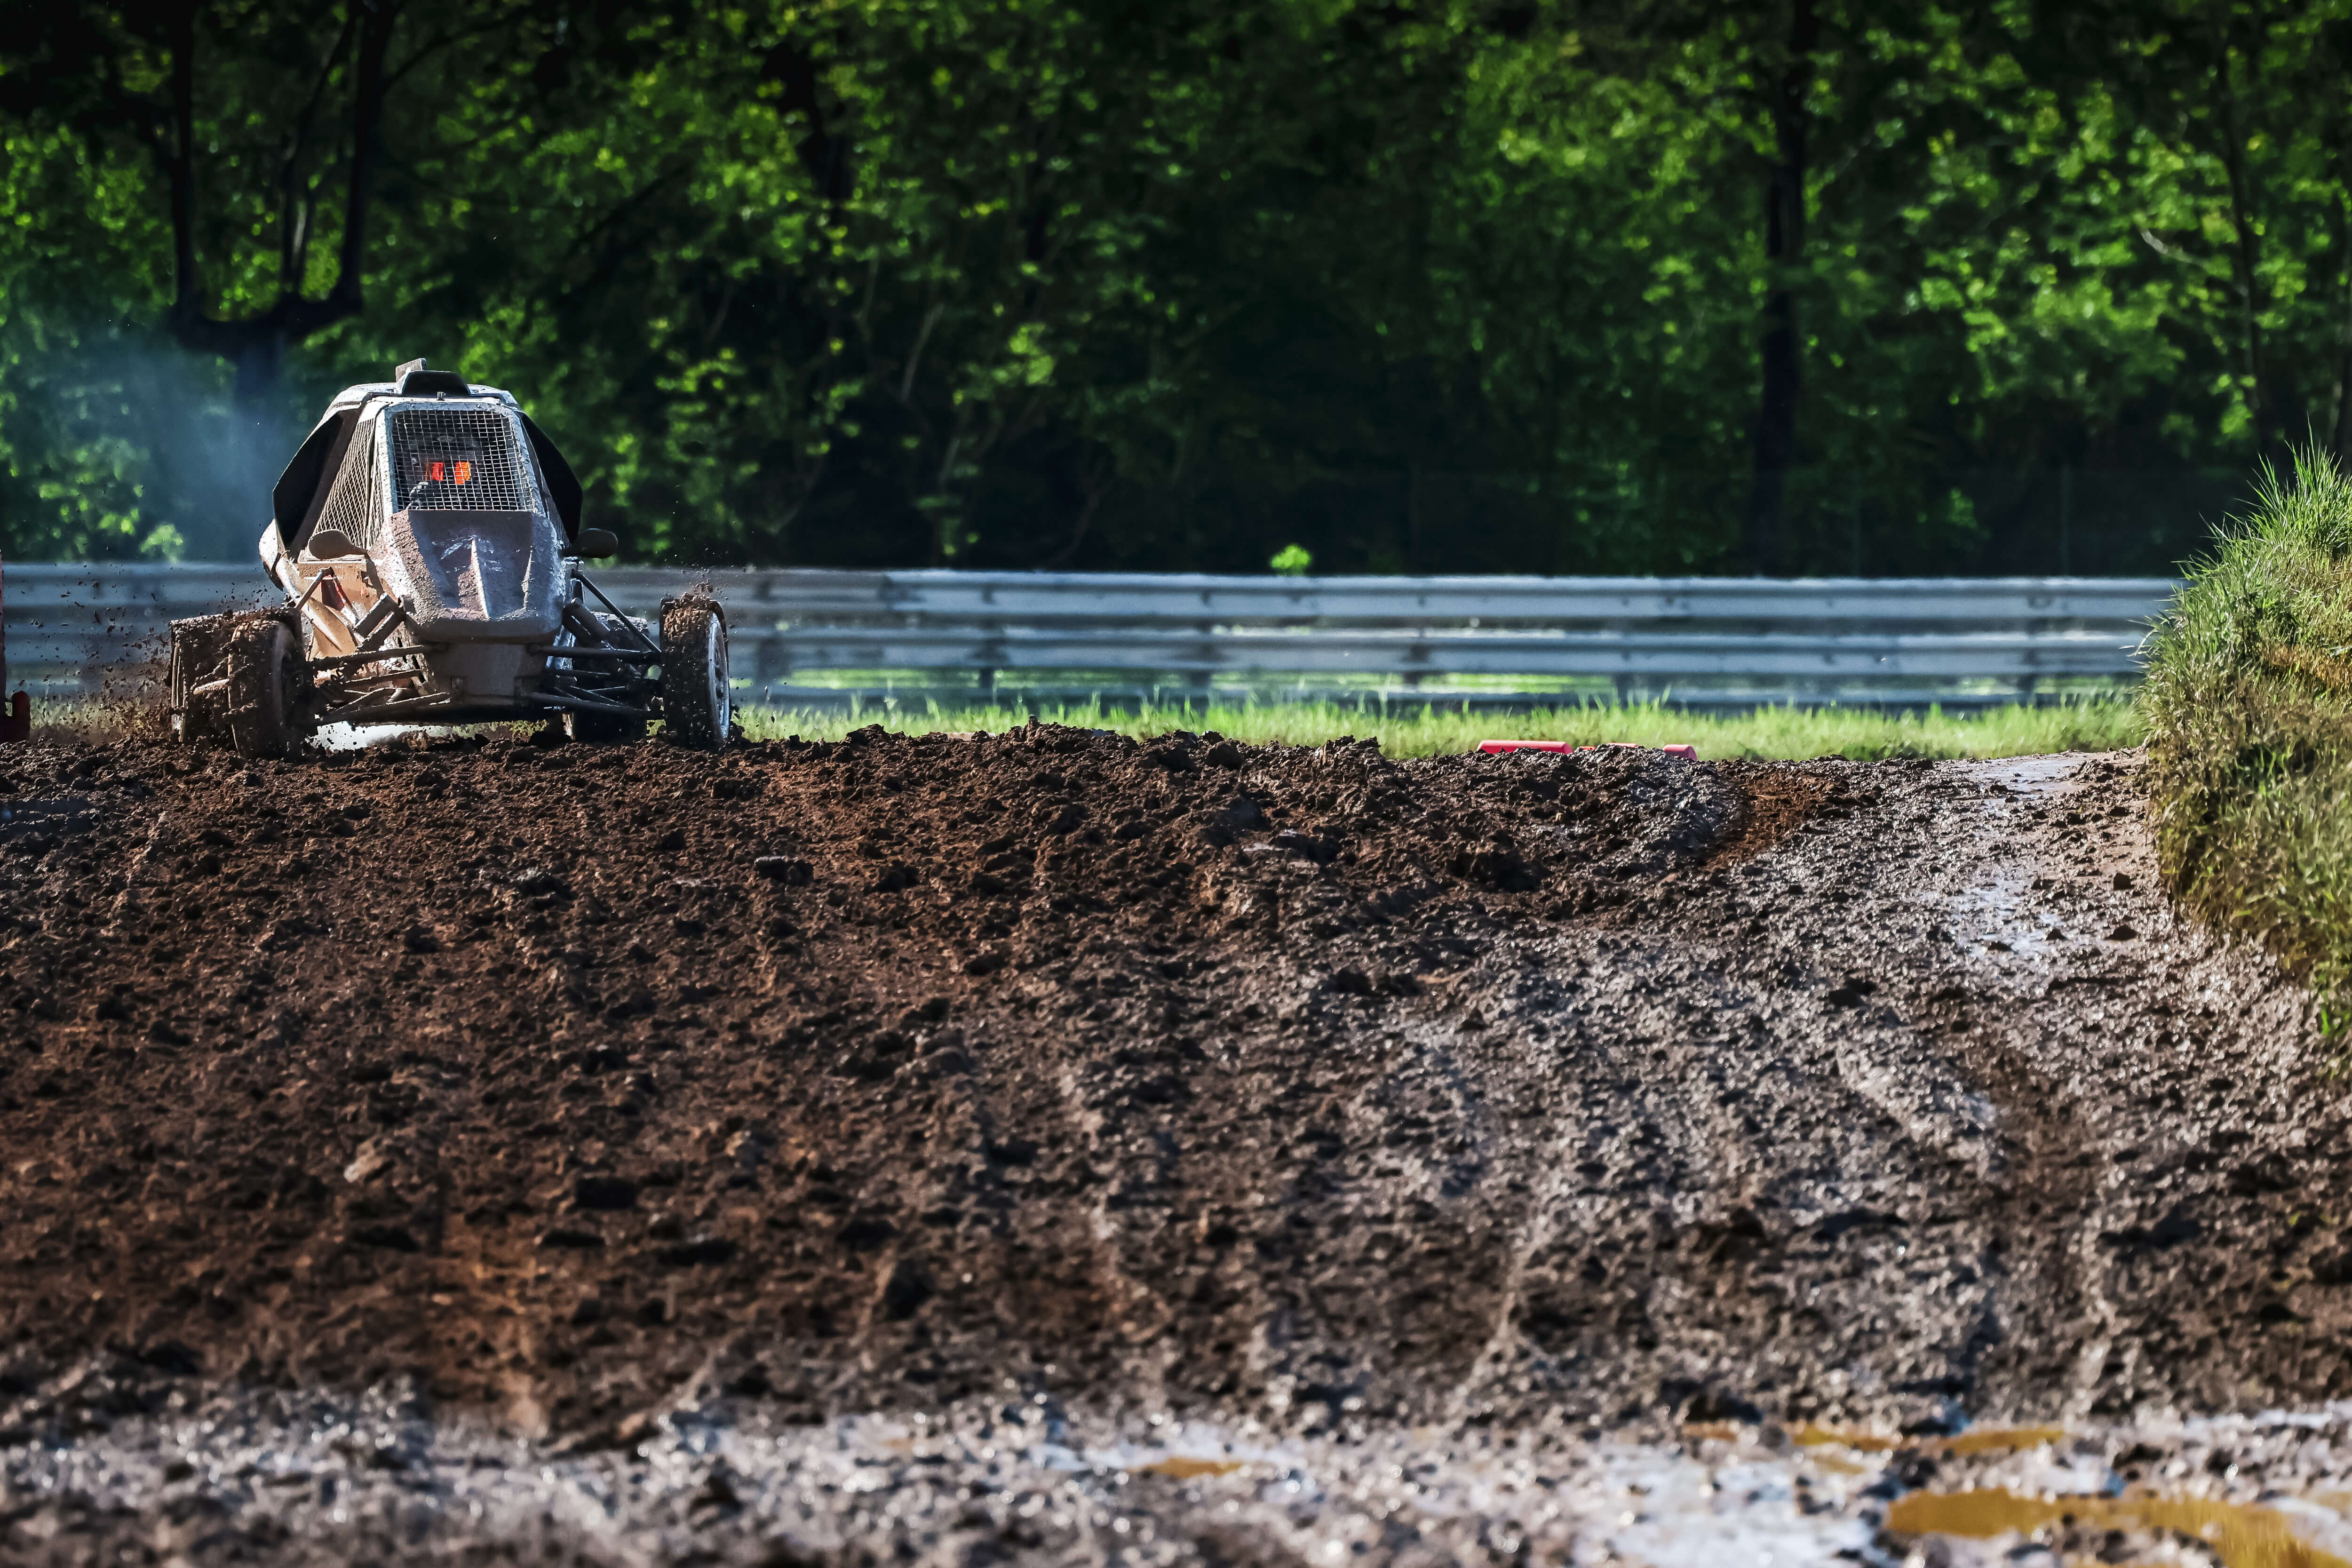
[{"x": 465, "y": 470}]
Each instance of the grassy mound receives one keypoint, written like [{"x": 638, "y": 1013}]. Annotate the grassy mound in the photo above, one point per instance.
[{"x": 2248, "y": 704}]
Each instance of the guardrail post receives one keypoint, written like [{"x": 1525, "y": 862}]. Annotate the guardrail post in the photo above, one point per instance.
[{"x": 17, "y": 725}]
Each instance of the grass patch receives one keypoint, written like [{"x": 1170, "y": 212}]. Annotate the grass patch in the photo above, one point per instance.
[
  {"x": 2249, "y": 709},
  {"x": 2089, "y": 725},
  {"x": 2097, "y": 724}
]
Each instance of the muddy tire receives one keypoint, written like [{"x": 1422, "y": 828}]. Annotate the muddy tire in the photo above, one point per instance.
[
  {"x": 698, "y": 705},
  {"x": 199, "y": 717},
  {"x": 264, "y": 684},
  {"x": 607, "y": 729}
]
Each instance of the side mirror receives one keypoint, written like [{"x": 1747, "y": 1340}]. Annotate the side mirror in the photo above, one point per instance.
[{"x": 596, "y": 543}]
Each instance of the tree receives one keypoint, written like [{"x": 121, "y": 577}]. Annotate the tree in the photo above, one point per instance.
[
  {"x": 1787, "y": 73},
  {"x": 1498, "y": 287},
  {"x": 181, "y": 80}
]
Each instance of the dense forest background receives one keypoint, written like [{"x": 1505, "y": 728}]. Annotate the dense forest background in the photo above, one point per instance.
[{"x": 1453, "y": 285}]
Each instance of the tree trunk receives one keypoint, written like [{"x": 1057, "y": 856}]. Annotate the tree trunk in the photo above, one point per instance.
[
  {"x": 823, "y": 154},
  {"x": 256, "y": 345},
  {"x": 1784, "y": 244},
  {"x": 180, "y": 153},
  {"x": 258, "y": 359},
  {"x": 2339, "y": 439},
  {"x": 2339, "y": 423},
  {"x": 258, "y": 433},
  {"x": 2245, "y": 254}
]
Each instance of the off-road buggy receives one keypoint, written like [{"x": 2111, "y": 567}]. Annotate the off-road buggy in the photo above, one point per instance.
[{"x": 427, "y": 536}]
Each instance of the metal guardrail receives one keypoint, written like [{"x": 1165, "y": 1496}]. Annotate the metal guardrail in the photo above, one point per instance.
[{"x": 807, "y": 635}]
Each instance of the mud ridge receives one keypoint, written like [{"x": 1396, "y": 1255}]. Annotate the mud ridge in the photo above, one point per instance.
[{"x": 564, "y": 1084}]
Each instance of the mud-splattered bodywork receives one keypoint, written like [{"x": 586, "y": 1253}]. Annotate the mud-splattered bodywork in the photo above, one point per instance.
[
  {"x": 426, "y": 535},
  {"x": 439, "y": 504}
]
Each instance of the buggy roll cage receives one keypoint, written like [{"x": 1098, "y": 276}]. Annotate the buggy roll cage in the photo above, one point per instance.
[{"x": 303, "y": 489}]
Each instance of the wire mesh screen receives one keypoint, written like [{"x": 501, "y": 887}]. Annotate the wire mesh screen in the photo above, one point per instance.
[
  {"x": 355, "y": 506},
  {"x": 469, "y": 457}
]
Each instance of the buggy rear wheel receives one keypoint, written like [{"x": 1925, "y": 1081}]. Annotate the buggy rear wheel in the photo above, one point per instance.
[
  {"x": 698, "y": 705},
  {"x": 263, "y": 680}
]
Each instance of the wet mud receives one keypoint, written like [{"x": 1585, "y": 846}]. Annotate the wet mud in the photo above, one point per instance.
[{"x": 574, "y": 1090}]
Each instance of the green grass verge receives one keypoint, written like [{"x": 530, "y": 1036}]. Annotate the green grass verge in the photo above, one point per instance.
[
  {"x": 2249, "y": 709},
  {"x": 2097, "y": 724},
  {"x": 2092, "y": 724}
]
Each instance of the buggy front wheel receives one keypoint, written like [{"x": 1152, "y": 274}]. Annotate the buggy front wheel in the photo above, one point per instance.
[
  {"x": 698, "y": 706},
  {"x": 263, "y": 682},
  {"x": 199, "y": 697}
]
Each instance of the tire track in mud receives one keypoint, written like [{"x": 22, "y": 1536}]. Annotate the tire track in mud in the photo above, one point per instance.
[{"x": 2047, "y": 1185}]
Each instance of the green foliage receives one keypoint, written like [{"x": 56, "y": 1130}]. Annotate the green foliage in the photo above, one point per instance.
[
  {"x": 1862, "y": 735},
  {"x": 77, "y": 459},
  {"x": 2248, "y": 704},
  {"x": 1441, "y": 287}
]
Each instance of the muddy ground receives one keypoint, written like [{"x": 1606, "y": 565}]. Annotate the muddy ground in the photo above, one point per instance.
[{"x": 571, "y": 1087}]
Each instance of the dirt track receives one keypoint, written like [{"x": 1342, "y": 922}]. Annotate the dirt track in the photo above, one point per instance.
[{"x": 576, "y": 1083}]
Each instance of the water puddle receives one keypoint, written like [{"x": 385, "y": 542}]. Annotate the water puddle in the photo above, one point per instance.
[
  {"x": 1998, "y": 916},
  {"x": 1185, "y": 1468},
  {"x": 2028, "y": 775},
  {"x": 1977, "y": 1441},
  {"x": 386, "y": 1483},
  {"x": 724, "y": 1483},
  {"x": 2001, "y": 1440},
  {"x": 2242, "y": 1535}
]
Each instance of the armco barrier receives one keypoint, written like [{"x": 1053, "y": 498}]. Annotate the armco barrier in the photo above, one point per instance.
[
  {"x": 15, "y": 704},
  {"x": 806, "y": 636}
]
